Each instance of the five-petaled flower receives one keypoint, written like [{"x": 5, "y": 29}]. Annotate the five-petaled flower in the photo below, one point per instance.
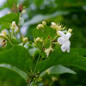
[{"x": 64, "y": 41}]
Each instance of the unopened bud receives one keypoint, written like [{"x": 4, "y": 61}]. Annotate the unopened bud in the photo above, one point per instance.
[
  {"x": 4, "y": 33},
  {"x": 24, "y": 11},
  {"x": 13, "y": 25},
  {"x": 25, "y": 40},
  {"x": 53, "y": 25},
  {"x": 40, "y": 26},
  {"x": 38, "y": 40},
  {"x": 69, "y": 30},
  {"x": 54, "y": 78},
  {"x": 43, "y": 23}
]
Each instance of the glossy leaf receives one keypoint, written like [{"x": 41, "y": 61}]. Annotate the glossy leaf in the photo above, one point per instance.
[
  {"x": 74, "y": 58},
  {"x": 17, "y": 56},
  {"x": 15, "y": 69}
]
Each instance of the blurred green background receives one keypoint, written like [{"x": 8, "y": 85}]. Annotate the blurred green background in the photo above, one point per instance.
[{"x": 69, "y": 13}]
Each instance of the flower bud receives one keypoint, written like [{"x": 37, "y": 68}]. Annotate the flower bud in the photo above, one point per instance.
[
  {"x": 40, "y": 26},
  {"x": 54, "y": 78},
  {"x": 4, "y": 33},
  {"x": 25, "y": 40},
  {"x": 69, "y": 30},
  {"x": 24, "y": 11},
  {"x": 43, "y": 23},
  {"x": 53, "y": 25},
  {"x": 38, "y": 39},
  {"x": 13, "y": 25}
]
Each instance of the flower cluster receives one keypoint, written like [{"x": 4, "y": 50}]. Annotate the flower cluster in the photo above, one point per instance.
[
  {"x": 8, "y": 36},
  {"x": 62, "y": 36},
  {"x": 65, "y": 35}
]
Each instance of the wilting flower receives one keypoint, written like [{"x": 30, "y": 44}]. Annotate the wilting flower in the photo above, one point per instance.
[
  {"x": 2, "y": 42},
  {"x": 64, "y": 41}
]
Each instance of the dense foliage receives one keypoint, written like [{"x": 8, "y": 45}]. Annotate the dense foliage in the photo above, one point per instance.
[{"x": 37, "y": 46}]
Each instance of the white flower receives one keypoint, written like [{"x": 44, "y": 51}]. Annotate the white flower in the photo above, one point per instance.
[{"x": 64, "y": 41}]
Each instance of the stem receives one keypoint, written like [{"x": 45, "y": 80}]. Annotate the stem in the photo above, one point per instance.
[
  {"x": 37, "y": 63},
  {"x": 10, "y": 42},
  {"x": 55, "y": 38},
  {"x": 9, "y": 39},
  {"x": 20, "y": 26},
  {"x": 54, "y": 42}
]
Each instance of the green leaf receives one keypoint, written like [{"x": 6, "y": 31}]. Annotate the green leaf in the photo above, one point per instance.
[
  {"x": 57, "y": 69},
  {"x": 15, "y": 69},
  {"x": 6, "y": 20},
  {"x": 71, "y": 2},
  {"x": 17, "y": 56},
  {"x": 74, "y": 58},
  {"x": 38, "y": 3},
  {"x": 47, "y": 33}
]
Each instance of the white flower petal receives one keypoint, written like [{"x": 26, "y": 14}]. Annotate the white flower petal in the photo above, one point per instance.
[
  {"x": 61, "y": 40},
  {"x": 67, "y": 44},
  {"x": 63, "y": 48},
  {"x": 68, "y": 35},
  {"x": 68, "y": 50},
  {"x": 61, "y": 33}
]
